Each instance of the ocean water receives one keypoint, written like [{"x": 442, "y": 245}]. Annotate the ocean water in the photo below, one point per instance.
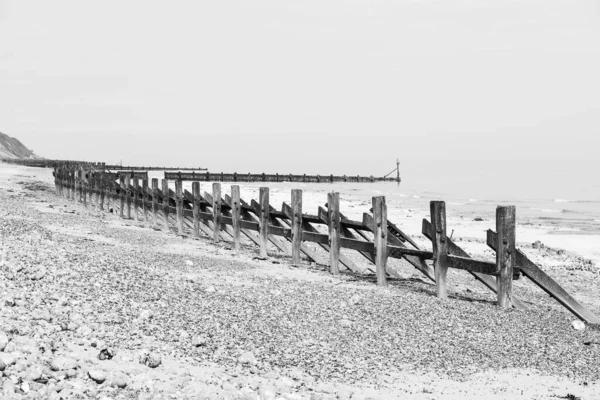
[{"x": 549, "y": 193}]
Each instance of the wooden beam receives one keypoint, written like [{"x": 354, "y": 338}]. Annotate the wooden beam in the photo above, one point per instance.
[
  {"x": 145, "y": 198},
  {"x": 179, "y": 205},
  {"x": 333, "y": 223},
  {"x": 216, "y": 209},
  {"x": 380, "y": 239},
  {"x": 546, "y": 283},
  {"x": 296, "y": 226},
  {"x": 122, "y": 196},
  {"x": 165, "y": 203},
  {"x": 136, "y": 201},
  {"x": 440, "y": 247},
  {"x": 236, "y": 216},
  {"x": 196, "y": 208},
  {"x": 264, "y": 220},
  {"x": 155, "y": 202},
  {"x": 505, "y": 253},
  {"x": 471, "y": 265},
  {"x": 488, "y": 281}
]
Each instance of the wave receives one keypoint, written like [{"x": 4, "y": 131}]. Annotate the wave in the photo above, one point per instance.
[
  {"x": 561, "y": 201},
  {"x": 545, "y": 210}
]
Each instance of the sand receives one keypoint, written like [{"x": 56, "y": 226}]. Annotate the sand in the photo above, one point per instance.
[{"x": 110, "y": 271}]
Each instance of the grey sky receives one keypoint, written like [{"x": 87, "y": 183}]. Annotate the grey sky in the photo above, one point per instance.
[{"x": 222, "y": 82}]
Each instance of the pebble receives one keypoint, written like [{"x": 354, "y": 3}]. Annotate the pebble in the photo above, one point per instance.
[
  {"x": 578, "y": 325},
  {"x": 146, "y": 314},
  {"x": 63, "y": 364},
  {"x": 198, "y": 340},
  {"x": 97, "y": 375},
  {"x": 117, "y": 380},
  {"x": 247, "y": 358},
  {"x": 3, "y": 340}
]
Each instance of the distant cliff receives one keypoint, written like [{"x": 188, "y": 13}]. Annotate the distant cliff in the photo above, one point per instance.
[{"x": 13, "y": 148}]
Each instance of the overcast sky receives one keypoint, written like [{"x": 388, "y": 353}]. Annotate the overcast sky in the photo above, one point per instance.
[{"x": 301, "y": 86}]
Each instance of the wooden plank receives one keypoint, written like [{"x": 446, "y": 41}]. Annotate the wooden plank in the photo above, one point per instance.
[
  {"x": 472, "y": 265},
  {"x": 196, "y": 208},
  {"x": 128, "y": 195},
  {"x": 296, "y": 226},
  {"x": 165, "y": 203},
  {"x": 264, "y": 220},
  {"x": 488, "y": 281},
  {"x": 216, "y": 209},
  {"x": 333, "y": 223},
  {"x": 136, "y": 200},
  {"x": 315, "y": 237},
  {"x": 440, "y": 247},
  {"x": 380, "y": 239},
  {"x": 416, "y": 261},
  {"x": 505, "y": 253},
  {"x": 402, "y": 252},
  {"x": 236, "y": 216},
  {"x": 155, "y": 202},
  {"x": 122, "y": 196},
  {"x": 179, "y": 205},
  {"x": 546, "y": 283},
  {"x": 307, "y": 250},
  {"x": 145, "y": 198}
]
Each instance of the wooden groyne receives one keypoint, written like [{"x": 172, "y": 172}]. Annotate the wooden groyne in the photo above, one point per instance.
[
  {"x": 235, "y": 177},
  {"x": 375, "y": 238}
]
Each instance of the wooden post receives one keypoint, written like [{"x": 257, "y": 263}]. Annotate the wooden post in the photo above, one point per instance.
[
  {"x": 165, "y": 203},
  {"x": 56, "y": 181},
  {"x": 236, "y": 209},
  {"x": 196, "y": 208},
  {"x": 179, "y": 205},
  {"x": 380, "y": 238},
  {"x": 263, "y": 220},
  {"x": 128, "y": 194},
  {"x": 122, "y": 196},
  {"x": 296, "y": 226},
  {"x": 90, "y": 185},
  {"x": 101, "y": 191},
  {"x": 333, "y": 221},
  {"x": 83, "y": 188},
  {"x": 145, "y": 198},
  {"x": 505, "y": 253},
  {"x": 216, "y": 209},
  {"x": 155, "y": 202},
  {"x": 136, "y": 202},
  {"x": 440, "y": 247}
]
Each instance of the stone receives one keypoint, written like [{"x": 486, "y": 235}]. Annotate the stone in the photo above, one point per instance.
[
  {"x": 146, "y": 314},
  {"x": 117, "y": 380},
  {"x": 345, "y": 323},
  {"x": 210, "y": 289},
  {"x": 150, "y": 359},
  {"x": 3, "y": 340},
  {"x": 97, "y": 375},
  {"x": 354, "y": 300},
  {"x": 199, "y": 340},
  {"x": 8, "y": 388},
  {"x": 189, "y": 263},
  {"x": 84, "y": 331},
  {"x": 63, "y": 364},
  {"x": 578, "y": 325},
  {"x": 247, "y": 358},
  {"x": 38, "y": 275},
  {"x": 9, "y": 358},
  {"x": 43, "y": 315},
  {"x": 34, "y": 373}
]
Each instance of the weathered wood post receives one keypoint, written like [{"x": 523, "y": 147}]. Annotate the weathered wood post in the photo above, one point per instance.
[
  {"x": 216, "y": 209},
  {"x": 440, "y": 247},
  {"x": 296, "y": 226},
  {"x": 136, "y": 202},
  {"x": 56, "y": 179},
  {"x": 155, "y": 202},
  {"x": 84, "y": 188},
  {"x": 179, "y": 205},
  {"x": 334, "y": 221},
  {"x": 263, "y": 221},
  {"x": 145, "y": 198},
  {"x": 380, "y": 238},
  {"x": 236, "y": 209},
  {"x": 128, "y": 194},
  {"x": 122, "y": 196},
  {"x": 505, "y": 253},
  {"x": 165, "y": 203},
  {"x": 90, "y": 178},
  {"x": 196, "y": 208},
  {"x": 102, "y": 189}
]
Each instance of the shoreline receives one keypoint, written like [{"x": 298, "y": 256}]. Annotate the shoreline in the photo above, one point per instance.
[{"x": 134, "y": 269}]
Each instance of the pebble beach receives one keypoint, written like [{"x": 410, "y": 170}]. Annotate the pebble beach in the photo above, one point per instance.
[{"x": 97, "y": 307}]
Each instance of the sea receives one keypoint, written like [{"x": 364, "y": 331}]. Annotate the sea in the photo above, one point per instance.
[{"x": 561, "y": 194}]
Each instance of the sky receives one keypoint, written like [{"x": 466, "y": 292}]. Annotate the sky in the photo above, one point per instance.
[{"x": 310, "y": 86}]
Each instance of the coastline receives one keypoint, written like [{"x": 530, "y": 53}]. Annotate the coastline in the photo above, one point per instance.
[{"x": 80, "y": 245}]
